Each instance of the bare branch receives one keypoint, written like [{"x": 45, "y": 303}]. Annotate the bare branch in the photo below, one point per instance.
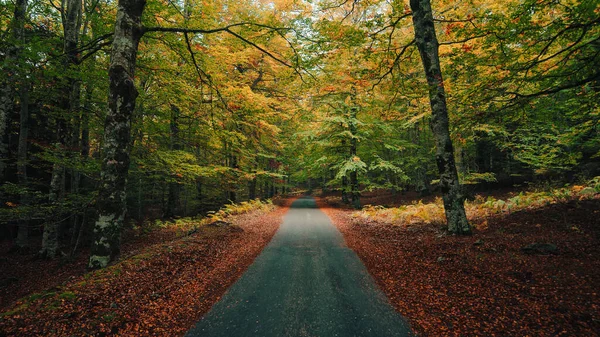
[
  {"x": 396, "y": 60},
  {"x": 201, "y": 73},
  {"x": 554, "y": 90},
  {"x": 448, "y": 43},
  {"x": 226, "y": 29}
]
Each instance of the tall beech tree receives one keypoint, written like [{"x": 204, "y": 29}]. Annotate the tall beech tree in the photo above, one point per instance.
[
  {"x": 428, "y": 45},
  {"x": 112, "y": 196},
  {"x": 112, "y": 199}
]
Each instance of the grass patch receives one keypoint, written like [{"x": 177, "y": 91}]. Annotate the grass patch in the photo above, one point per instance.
[{"x": 67, "y": 296}]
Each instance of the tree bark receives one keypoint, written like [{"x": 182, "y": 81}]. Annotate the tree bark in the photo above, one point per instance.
[
  {"x": 117, "y": 134},
  {"x": 427, "y": 44}
]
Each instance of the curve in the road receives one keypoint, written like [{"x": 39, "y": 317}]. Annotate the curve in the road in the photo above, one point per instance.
[{"x": 306, "y": 282}]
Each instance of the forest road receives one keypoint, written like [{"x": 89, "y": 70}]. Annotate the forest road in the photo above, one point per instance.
[{"x": 306, "y": 282}]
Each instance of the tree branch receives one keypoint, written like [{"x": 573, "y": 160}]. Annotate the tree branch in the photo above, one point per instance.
[
  {"x": 391, "y": 69},
  {"x": 226, "y": 29}
]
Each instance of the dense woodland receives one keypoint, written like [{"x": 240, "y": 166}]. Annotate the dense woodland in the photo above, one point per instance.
[{"x": 113, "y": 113}]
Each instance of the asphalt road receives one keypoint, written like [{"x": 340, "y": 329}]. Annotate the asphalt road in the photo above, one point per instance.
[{"x": 306, "y": 282}]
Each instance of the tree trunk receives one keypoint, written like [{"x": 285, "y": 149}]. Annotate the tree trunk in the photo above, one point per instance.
[
  {"x": 51, "y": 227},
  {"x": 117, "y": 133},
  {"x": 75, "y": 143},
  {"x": 252, "y": 188},
  {"x": 354, "y": 193},
  {"x": 345, "y": 198},
  {"x": 173, "y": 197},
  {"x": 11, "y": 72},
  {"x": 232, "y": 195},
  {"x": 85, "y": 127},
  {"x": 69, "y": 103},
  {"x": 428, "y": 49},
  {"x": 23, "y": 231}
]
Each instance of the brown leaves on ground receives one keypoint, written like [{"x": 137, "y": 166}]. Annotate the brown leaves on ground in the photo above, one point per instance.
[
  {"x": 485, "y": 284},
  {"x": 162, "y": 291}
]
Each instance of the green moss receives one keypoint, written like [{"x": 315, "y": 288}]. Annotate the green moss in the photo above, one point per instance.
[
  {"x": 35, "y": 297},
  {"x": 67, "y": 296},
  {"x": 81, "y": 284},
  {"x": 16, "y": 310}
]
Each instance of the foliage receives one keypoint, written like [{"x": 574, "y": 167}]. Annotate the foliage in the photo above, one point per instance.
[
  {"x": 481, "y": 208},
  {"x": 186, "y": 225}
]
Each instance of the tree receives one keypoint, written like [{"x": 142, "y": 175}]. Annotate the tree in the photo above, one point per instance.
[
  {"x": 11, "y": 60},
  {"x": 117, "y": 132},
  {"x": 427, "y": 43},
  {"x": 69, "y": 104}
]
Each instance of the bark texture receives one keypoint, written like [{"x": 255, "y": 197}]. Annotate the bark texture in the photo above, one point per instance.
[
  {"x": 117, "y": 134},
  {"x": 427, "y": 43}
]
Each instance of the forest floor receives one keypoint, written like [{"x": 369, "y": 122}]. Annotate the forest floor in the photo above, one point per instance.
[
  {"x": 486, "y": 284},
  {"x": 161, "y": 286},
  {"x": 479, "y": 285}
]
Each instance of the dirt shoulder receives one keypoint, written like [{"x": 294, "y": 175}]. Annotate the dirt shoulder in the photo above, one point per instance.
[
  {"x": 161, "y": 291},
  {"x": 485, "y": 284}
]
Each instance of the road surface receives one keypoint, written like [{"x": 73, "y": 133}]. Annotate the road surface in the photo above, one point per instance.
[{"x": 306, "y": 282}]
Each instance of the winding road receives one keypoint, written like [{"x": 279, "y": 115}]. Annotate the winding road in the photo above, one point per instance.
[{"x": 306, "y": 282}]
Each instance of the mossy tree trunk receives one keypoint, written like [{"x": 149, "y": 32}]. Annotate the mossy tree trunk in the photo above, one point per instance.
[
  {"x": 117, "y": 134},
  {"x": 427, "y": 43}
]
